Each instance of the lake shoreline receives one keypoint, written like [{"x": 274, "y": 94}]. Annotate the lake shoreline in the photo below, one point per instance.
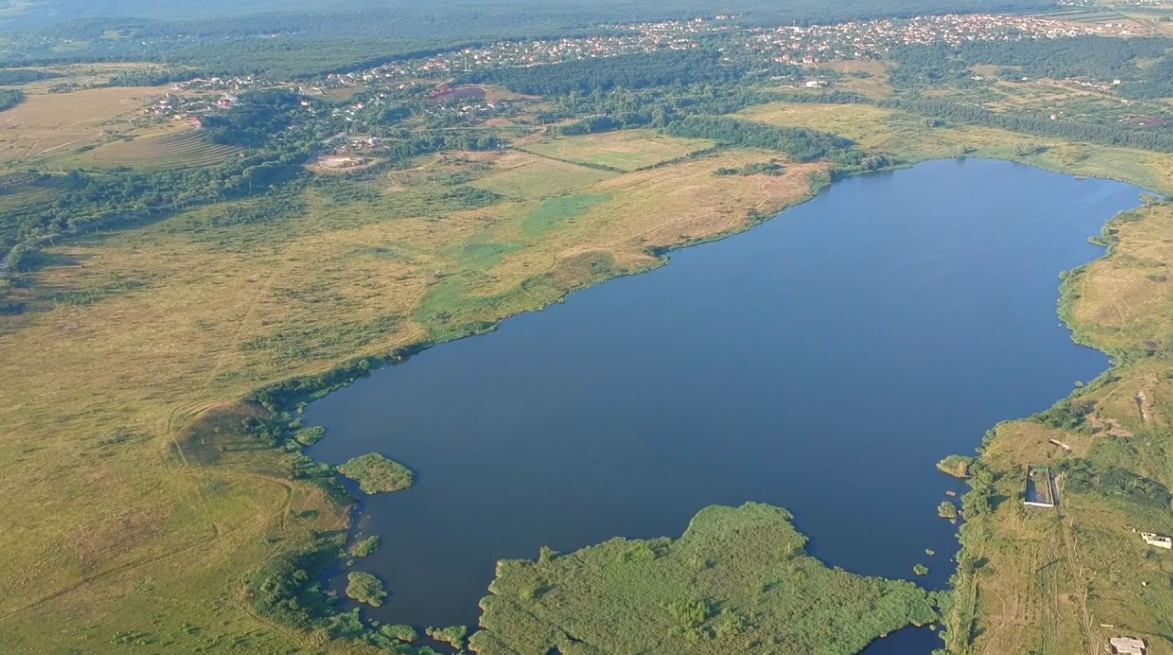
[{"x": 308, "y": 389}]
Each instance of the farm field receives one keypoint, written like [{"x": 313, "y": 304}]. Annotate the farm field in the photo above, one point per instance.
[{"x": 626, "y": 150}]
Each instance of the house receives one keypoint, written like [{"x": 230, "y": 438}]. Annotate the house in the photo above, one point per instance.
[
  {"x": 1127, "y": 646},
  {"x": 1157, "y": 541}
]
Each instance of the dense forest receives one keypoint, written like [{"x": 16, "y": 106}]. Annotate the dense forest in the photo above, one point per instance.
[{"x": 627, "y": 72}]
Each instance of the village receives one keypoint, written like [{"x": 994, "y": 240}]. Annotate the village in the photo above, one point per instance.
[
  {"x": 781, "y": 47},
  {"x": 809, "y": 46}
]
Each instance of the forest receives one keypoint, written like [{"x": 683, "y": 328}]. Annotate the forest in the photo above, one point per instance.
[{"x": 1092, "y": 57}]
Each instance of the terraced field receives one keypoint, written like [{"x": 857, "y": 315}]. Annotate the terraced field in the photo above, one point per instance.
[{"x": 182, "y": 150}]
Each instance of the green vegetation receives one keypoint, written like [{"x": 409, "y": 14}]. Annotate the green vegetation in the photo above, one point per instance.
[
  {"x": 19, "y": 76},
  {"x": 310, "y": 436},
  {"x": 454, "y": 635},
  {"x": 757, "y": 168},
  {"x": 920, "y": 570},
  {"x": 801, "y": 144},
  {"x": 376, "y": 474},
  {"x": 556, "y": 210},
  {"x": 738, "y": 581},
  {"x": 947, "y": 510},
  {"x": 10, "y": 98},
  {"x": 403, "y": 633},
  {"x": 628, "y": 72},
  {"x": 366, "y": 547},
  {"x": 365, "y": 588}
]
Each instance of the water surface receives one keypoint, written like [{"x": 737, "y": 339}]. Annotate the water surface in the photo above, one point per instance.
[{"x": 823, "y": 362}]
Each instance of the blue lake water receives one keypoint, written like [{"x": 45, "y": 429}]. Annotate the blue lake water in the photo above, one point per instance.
[{"x": 823, "y": 362}]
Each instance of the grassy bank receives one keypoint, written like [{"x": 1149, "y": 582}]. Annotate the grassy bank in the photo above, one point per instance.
[{"x": 1070, "y": 579}]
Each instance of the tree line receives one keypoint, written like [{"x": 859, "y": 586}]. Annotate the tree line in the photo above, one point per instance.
[
  {"x": 10, "y": 98},
  {"x": 1030, "y": 123}
]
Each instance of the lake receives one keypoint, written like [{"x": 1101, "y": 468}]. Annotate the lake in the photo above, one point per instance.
[{"x": 823, "y": 361}]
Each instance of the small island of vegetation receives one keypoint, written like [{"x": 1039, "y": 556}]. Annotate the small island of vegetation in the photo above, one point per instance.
[
  {"x": 365, "y": 588},
  {"x": 738, "y": 581},
  {"x": 366, "y": 547},
  {"x": 955, "y": 465},
  {"x": 376, "y": 474}
]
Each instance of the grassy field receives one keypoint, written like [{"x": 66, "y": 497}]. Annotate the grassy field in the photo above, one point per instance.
[
  {"x": 145, "y": 514},
  {"x": 184, "y": 148},
  {"x": 738, "y": 581},
  {"x": 626, "y": 151}
]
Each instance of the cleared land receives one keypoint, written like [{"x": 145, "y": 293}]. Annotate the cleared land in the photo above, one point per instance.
[{"x": 626, "y": 151}]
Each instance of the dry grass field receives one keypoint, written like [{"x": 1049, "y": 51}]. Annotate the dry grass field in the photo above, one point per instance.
[
  {"x": 126, "y": 539},
  {"x": 59, "y": 124},
  {"x": 626, "y": 150},
  {"x": 867, "y": 78}
]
